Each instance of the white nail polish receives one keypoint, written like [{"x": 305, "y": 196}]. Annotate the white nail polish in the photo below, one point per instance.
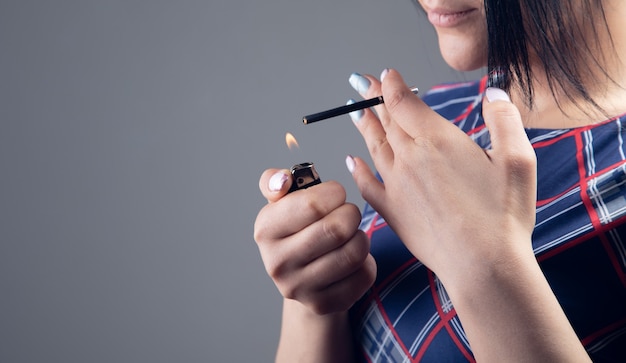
[
  {"x": 350, "y": 164},
  {"x": 383, "y": 74},
  {"x": 277, "y": 181},
  {"x": 496, "y": 94},
  {"x": 355, "y": 115},
  {"x": 359, "y": 83}
]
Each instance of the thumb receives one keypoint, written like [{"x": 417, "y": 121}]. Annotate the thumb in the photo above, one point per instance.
[
  {"x": 275, "y": 183},
  {"x": 512, "y": 151},
  {"x": 502, "y": 118}
]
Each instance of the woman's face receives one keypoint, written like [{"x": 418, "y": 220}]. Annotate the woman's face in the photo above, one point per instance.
[{"x": 462, "y": 31}]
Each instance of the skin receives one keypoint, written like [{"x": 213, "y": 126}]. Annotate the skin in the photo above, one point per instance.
[
  {"x": 486, "y": 255},
  {"x": 460, "y": 46},
  {"x": 320, "y": 262},
  {"x": 464, "y": 48}
]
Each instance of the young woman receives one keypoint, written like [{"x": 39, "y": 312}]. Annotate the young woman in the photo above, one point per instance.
[{"x": 498, "y": 234}]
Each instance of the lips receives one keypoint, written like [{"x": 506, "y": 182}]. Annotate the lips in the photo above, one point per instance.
[{"x": 446, "y": 18}]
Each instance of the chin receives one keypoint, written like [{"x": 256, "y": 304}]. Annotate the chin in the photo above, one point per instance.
[{"x": 463, "y": 55}]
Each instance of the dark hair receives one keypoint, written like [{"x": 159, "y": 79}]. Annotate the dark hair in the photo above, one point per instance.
[{"x": 560, "y": 35}]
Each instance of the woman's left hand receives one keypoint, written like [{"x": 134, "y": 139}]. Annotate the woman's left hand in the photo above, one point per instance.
[{"x": 455, "y": 205}]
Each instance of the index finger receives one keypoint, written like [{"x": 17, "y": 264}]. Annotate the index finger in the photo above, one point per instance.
[{"x": 403, "y": 106}]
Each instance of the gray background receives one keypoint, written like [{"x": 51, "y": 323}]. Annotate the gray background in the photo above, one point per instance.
[{"x": 132, "y": 136}]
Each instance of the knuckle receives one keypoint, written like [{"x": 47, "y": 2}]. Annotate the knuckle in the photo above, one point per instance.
[
  {"x": 378, "y": 145},
  {"x": 293, "y": 290},
  {"x": 336, "y": 189},
  {"x": 346, "y": 259},
  {"x": 258, "y": 235},
  {"x": 365, "y": 127},
  {"x": 321, "y": 201},
  {"x": 334, "y": 230},
  {"x": 433, "y": 143},
  {"x": 343, "y": 224},
  {"x": 501, "y": 110},
  {"x": 352, "y": 254},
  {"x": 353, "y": 213},
  {"x": 278, "y": 265},
  {"x": 520, "y": 162},
  {"x": 341, "y": 297},
  {"x": 289, "y": 292},
  {"x": 261, "y": 228},
  {"x": 395, "y": 98},
  {"x": 366, "y": 278},
  {"x": 312, "y": 206},
  {"x": 275, "y": 269},
  {"x": 520, "y": 170}
]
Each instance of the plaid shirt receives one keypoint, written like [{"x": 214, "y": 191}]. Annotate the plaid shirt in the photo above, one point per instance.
[{"x": 579, "y": 241}]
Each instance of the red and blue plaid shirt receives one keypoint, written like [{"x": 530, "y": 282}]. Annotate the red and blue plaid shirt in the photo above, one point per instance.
[{"x": 579, "y": 240}]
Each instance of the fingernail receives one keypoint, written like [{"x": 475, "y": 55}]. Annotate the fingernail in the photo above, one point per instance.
[
  {"x": 355, "y": 115},
  {"x": 350, "y": 164},
  {"x": 383, "y": 74},
  {"x": 359, "y": 83},
  {"x": 496, "y": 94},
  {"x": 277, "y": 181}
]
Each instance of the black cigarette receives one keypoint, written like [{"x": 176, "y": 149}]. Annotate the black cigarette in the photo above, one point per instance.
[{"x": 342, "y": 110}]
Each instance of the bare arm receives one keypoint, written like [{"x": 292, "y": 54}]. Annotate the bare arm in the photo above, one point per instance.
[
  {"x": 510, "y": 313},
  {"x": 308, "y": 337}
]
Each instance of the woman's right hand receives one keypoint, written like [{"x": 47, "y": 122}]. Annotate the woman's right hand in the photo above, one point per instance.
[{"x": 311, "y": 245}]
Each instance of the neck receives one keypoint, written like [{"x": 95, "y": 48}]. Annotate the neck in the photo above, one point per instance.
[{"x": 606, "y": 83}]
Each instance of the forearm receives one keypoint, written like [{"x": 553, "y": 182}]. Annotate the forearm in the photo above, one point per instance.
[
  {"x": 510, "y": 314},
  {"x": 307, "y": 337}
]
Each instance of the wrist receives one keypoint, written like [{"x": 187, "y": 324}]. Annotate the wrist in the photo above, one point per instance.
[
  {"x": 309, "y": 337},
  {"x": 510, "y": 313},
  {"x": 295, "y": 310},
  {"x": 492, "y": 274},
  {"x": 488, "y": 263}
]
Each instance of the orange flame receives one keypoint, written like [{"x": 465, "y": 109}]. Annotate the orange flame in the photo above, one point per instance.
[{"x": 291, "y": 141}]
